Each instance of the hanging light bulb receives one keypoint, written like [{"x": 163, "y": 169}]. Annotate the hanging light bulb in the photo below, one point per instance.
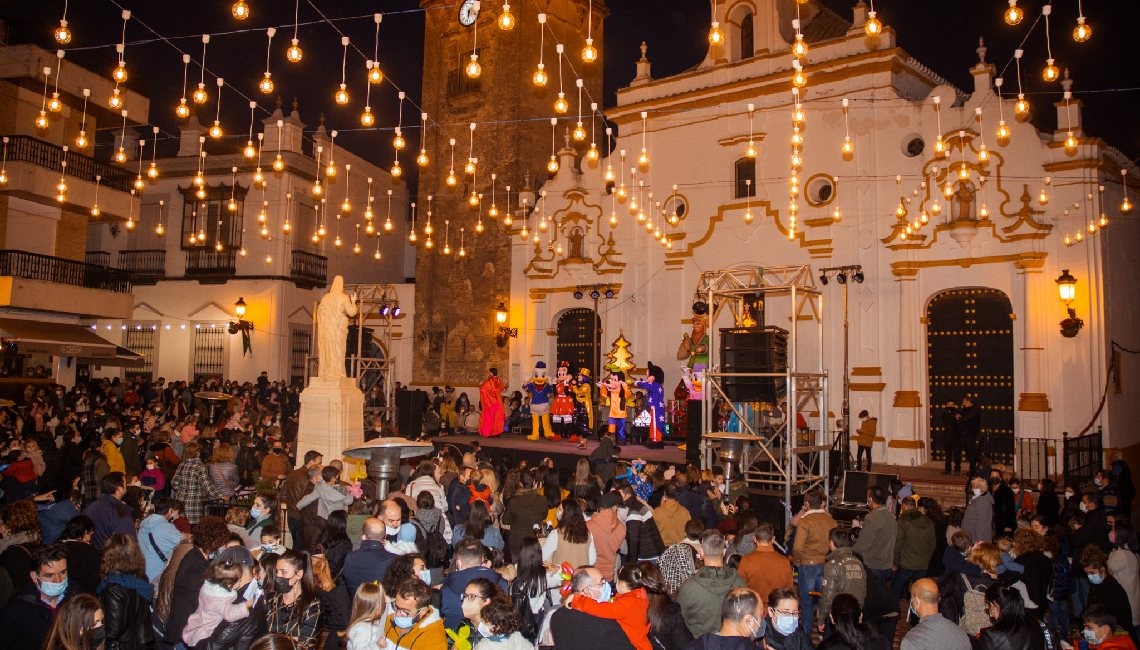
[
  {"x": 873, "y": 27},
  {"x": 592, "y": 154},
  {"x": 294, "y": 53},
  {"x": 473, "y": 199},
  {"x": 396, "y": 170},
  {"x": 847, "y": 149},
  {"x": 1126, "y": 206},
  {"x": 469, "y": 166},
  {"x": 341, "y": 95},
  {"x": 589, "y": 52},
  {"x": 367, "y": 119},
  {"x": 119, "y": 74},
  {"x": 182, "y": 110},
  {"x": 200, "y": 95},
  {"x": 452, "y": 179},
  {"x": 579, "y": 133},
  {"x": 1013, "y": 14},
  {"x": 1071, "y": 144},
  {"x": 983, "y": 153},
  {"x": 1043, "y": 197},
  {"x": 506, "y": 18},
  {"x": 62, "y": 33},
  {"x": 116, "y": 99},
  {"x": 1003, "y": 133},
  {"x": 1082, "y": 32},
  {"x": 422, "y": 159},
  {"x": 799, "y": 78},
  {"x": 216, "y": 130},
  {"x": 240, "y": 10},
  {"x": 716, "y": 34},
  {"x": 54, "y": 105},
  {"x": 561, "y": 106},
  {"x": 42, "y": 120},
  {"x": 398, "y": 142},
  {"x": 1050, "y": 72},
  {"x": 278, "y": 164},
  {"x": 540, "y": 77},
  {"x": 799, "y": 48},
  {"x": 473, "y": 69},
  {"x": 552, "y": 164}
]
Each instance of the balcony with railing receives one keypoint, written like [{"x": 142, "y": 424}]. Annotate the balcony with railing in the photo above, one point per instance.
[
  {"x": 146, "y": 266},
  {"x": 98, "y": 258},
  {"x": 34, "y": 169},
  {"x": 24, "y": 148},
  {"x": 46, "y": 283},
  {"x": 308, "y": 270},
  {"x": 210, "y": 266}
]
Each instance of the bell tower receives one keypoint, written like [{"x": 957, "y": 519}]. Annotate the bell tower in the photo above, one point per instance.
[{"x": 456, "y": 296}]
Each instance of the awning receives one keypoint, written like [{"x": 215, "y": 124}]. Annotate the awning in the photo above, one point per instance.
[
  {"x": 58, "y": 339},
  {"x": 123, "y": 358}
]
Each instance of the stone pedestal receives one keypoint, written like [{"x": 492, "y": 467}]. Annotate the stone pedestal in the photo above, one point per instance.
[{"x": 332, "y": 418}]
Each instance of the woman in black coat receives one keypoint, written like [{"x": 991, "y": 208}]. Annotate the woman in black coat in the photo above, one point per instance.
[
  {"x": 1012, "y": 629},
  {"x": 849, "y": 632},
  {"x": 1048, "y": 505},
  {"x": 126, "y": 595},
  {"x": 667, "y": 629}
]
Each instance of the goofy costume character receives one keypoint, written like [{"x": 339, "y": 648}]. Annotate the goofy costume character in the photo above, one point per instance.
[
  {"x": 540, "y": 391},
  {"x": 654, "y": 387},
  {"x": 562, "y": 408},
  {"x": 616, "y": 391}
]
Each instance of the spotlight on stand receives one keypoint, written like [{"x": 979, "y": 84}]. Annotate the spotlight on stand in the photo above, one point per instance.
[
  {"x": 841, "y": 277},
  {"x": 700, "y": 307},
  {"x": 595, "y": 294},
  {"x": 823, "y": 279},
  {"x": 396, "y": 311},
  {"x": 858, "y": 277},
  {"x": 385, "y": 310}
]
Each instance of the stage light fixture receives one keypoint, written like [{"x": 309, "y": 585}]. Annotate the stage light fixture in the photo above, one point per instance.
[
  {"x": 859, "y": 276},
  {"x": 595, "y": 294},
  {"x": 823, "y": 279},
  {"x": 609, "y": 293},
  {"x": 841, "y": 277},
  {"x": 578, "y": 295}
]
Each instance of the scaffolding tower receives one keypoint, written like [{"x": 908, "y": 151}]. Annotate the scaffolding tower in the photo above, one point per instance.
[
  {"x": 779, "y": 449},
  {"x": 376, "y": 305}
]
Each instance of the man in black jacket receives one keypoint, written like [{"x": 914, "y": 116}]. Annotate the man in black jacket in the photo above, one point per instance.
[
  {"x": 28, "y": 616},
  {"x": 970, "y": 428},
  {"x": 575, "y": 630},
  {"x": 210, "y": 534},
  {"x": 370, "y": 561},
  {"x": 642, "y": 537}
]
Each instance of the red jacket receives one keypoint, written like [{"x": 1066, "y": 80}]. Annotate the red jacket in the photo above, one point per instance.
[
  {"x": 1117, "y": 641},
  {"x": 630, "y": 610}
]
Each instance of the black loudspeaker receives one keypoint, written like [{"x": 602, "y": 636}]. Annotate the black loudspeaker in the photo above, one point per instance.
[
  {"x": 856, "y": 484},
  {"x": 410, "y": 407},
  {"x": 754, "y": 349}
]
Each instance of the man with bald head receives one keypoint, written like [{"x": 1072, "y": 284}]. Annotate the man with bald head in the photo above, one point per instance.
[
  {"x": 370, "y": 561},
  {"x": 576, "y": 630},
  {"x": 933, "y": 632}
]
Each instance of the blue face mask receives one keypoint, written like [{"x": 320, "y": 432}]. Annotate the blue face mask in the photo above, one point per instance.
[
  {"x": 1095, "y": 578},
  {"x": 605, "y": 592},
  {"x": 53, "y": 589},
  {"x": 403, "y": 622},
  {"x": 425, "y": 575},
  {"x": 1090, "y": 636},
  {"x": 256, "y": 513},
  {"x": 786, "y": 625}
]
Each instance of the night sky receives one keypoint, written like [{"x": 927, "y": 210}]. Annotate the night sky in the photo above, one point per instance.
[{"x": 942, "y": 35}]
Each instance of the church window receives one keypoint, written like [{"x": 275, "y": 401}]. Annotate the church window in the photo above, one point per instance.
[
  {"x": 745, "y": 171},
  {"x": 747, "y": 36}
]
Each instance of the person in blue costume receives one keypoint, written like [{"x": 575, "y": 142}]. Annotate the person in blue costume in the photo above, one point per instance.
[
  {"x": 654, "y": 387},
  {"x": 540, "y": 391}
]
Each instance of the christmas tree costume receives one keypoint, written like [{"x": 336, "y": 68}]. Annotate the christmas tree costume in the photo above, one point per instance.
[
  {"x": 540, "y": 391},
  {"x": 616, "y": 391},
  {"x": 562, "y": 407},
  {"x": 584, "y": 395},
  {"x": 654, "y": 387}
]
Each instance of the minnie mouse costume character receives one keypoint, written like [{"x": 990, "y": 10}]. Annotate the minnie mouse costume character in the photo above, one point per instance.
[
  {"x": 562, "y": 408},
  {"x": 654, "y": 387}
]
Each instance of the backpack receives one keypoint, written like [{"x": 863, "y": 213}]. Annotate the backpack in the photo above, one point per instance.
[
  {"x": 528, "y": 621},
  {"x": 974, "y": 616},
  {"x": 432, "y": 546},
  {"x": 950, "y": 592}
]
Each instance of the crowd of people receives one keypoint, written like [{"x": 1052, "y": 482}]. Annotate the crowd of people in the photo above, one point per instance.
[{"x": 128, "y": 524}]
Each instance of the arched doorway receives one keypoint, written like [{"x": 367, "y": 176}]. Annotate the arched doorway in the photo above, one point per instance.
[
  {"x": 969, "y": 346},
  {"x": 578, "y": 331}
]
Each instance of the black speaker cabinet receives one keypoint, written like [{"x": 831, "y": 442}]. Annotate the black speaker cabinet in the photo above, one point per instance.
[
  {"x": 856, "y": 484},
  {"x": 754, "y": 349},
  {"x": 410, "y": 407}
]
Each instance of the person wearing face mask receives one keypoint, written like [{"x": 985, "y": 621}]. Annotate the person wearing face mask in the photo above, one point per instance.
[
  {"x": 27, "y": 617},
  {"x": 261, "y": 514},
  {"x": 1104, "y": 589},
  {"x": 112, "y": 440},
  {"x": 629, "y": 607},
  {"x": 1101, "y": 631},
  {"x": 413, "y": 622},
  {"x": 109, "y": 513},
  {"x": 782, "y": 629},
  {"x": 275, "y": 465},
  {"x": 1012, "y": 629},
  {"x": 978, "y": 519},
  {"x": 573, "y": 629},
  {"x": 471, "y": 563},
  {"x": 369, "y": 562},
  {"x": 1122, "y": 562},
  {"x": 294, "y": 609},
  {"x": 934, "y": 631},
  {"x": 499, "y": 628}
]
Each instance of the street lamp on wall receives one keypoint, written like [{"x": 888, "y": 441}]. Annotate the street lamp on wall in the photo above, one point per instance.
[
  {"x": 243, "y": 326},
  {"x": 505, "y": 333},
  {"x": 1067, "y": 289}
]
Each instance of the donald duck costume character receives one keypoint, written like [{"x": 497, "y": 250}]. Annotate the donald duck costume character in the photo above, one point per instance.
[{"x": 540, "y": 391}]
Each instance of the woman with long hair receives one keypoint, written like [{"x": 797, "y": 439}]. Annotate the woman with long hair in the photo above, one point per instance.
[
  {"x": 850, "y": 632},
  {"x": 404, "y": 568},
  {"x": 667, "y": 629},
  {"x": 572, "y": 542},
  {"x": 78, "y": 625},
  {"x": 1037, "y": 569},
  {"x": 333, "y": 541},
  {"x": 365, "y": 623},
  {"x": 585, "y": 485},
  {"x": 126, "y": 594},
  {"x": 501, "y": 628},
  {"x": 476, "y": 595},
  {"x": 295, "y": 609},
  {"x": 480, "y": 527},
  {"x": 1048, "y": 504},
  {"x": 532, "y": 582},
  {"x": 223, "y": 471},
  {"x": 509, "y": 489},
  {"x": 1122, "y": 563},
  {"x": 552, "y": 491},
  {"x": 525, "y": 510},
  {"x": 1011, "y": 628}
]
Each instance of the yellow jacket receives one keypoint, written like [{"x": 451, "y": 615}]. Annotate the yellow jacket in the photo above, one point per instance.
[
  {"x": 865, "y": 434},
  {"x": 114, "y": 457}
]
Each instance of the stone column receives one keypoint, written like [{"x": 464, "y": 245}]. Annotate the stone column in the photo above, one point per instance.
[
  {"x": 1032, "y": 402},
  {"x": 903, "y": 440}
]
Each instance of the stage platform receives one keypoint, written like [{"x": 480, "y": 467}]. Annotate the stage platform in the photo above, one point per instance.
[{"x": 565, "y": 454}]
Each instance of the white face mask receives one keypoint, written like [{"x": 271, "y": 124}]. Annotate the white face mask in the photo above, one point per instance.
[
  {"x": 978, "y": 492},
  {"x": 1068, "y": 495},
  {"x": 390, "y": 530}
]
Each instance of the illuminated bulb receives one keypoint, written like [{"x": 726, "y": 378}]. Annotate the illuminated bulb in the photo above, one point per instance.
[
  {"x": 316, "y": 239},
  {"x": 1003, "y": 133},
  {"x": 396, "y": 170},
  {"x": 1126, "y": 206},
  {"x": 218, "y": 247},
  {"x": 139, "y": 182},
  {"x": 579, "y": 133},
  {"x": 286, "y": 227},
  {"x": 216, "y": 130},
  {"x": 592, "y": 153},
  {"x": 940, "y": 146},
  {"x": 369, "y": 229},
  {"x": 1080, "y": 237},
  {"x": 1043, "y": 197},
  {"x": 947, "y": 190},
  {"x": 258, "y": 177},
  {"x": 983, "y": 211},
  {"x": 446, "y": 248},
  {"x": 81, "y": 140},
  {"x": 506, "y": 19},
  {"x": 119, "y": 74},
  {"x": 797, "y": 162},
  {"x": 1081, "y": 32},
  {"x": 799, "y": 48},
  {"x": 268, "y": 259},
  {"x": 589, "y": 53},
  {"x": 345, "y": 205},
  {"x": 983, "y": 153},
  {"x": 451, "y": 178},
  {"x": 716, "y": 34},
  {"x": 797, "y": 137},
  {"x": 493, "y": 212},
  {"x": 367, "y": 118},
  {"x": 540, "y": 77},
  {"x": 199, "y": 179},
  {"x": 613, "y": 218},
  {"x": 200, "y": 95},
  {"x": 473, "y": 200},
  {"x": 116, "y": 100},
  {"x": 232, "y": 205},
  {"x": 798, "y": 116},
  {"x": 1014, "y": 14},
  {"x": 473, "y": 69},
  {"x": 428, "y": 243},
  {"x": 294, "y": 53},
  {"x": 264, "y": 232},
  {"x": 3, "y": 177},
  {"x": 201, "y": 193},
  {"x": 95, "y": 211},
  {"x": 1092, "y": 227},
  {"x": 42, "y": 120},
  {"x": 561, "y": 106},
  {"x": 836, "y": 214},
  {"x": 321, "y": 230},
  {"x": 182, "y": 110},
  {"x": 873, "y": 27},
  {"x": 936, "y": 208},
  {"x": 963, "y": 172},
  {"x": 152, "y": 171},
  {"x": 469, "y": 167},
  {"x": 1071, "y": 144},
  {"x": 1068, "y": 241},
  {"x": 356, "y": 249},
  {"x": 160, "y": 230},
  {"x": 317, "y": 189},
  {"x": 62, "y": 33},
  {"x": 1103, "y": 221},
  {"x": 1050, "y": 72},
  {"x": 330, "y": 169},
  {"x": 643, "y": 159},
  {"x": 900, "y": 210},
  {"x": 375, "y": 74},
  {"x": 376, "y": 255},
  {"x": 847, "y": 148},
  {"x": 621, "y": 193},
  {"x": 341, "y": 95},
  {"x": 748, "y": 216},
  {"x": 130, "y": 225},
  {"x": 479, "y": 226},
  {"x": 278, "y": 164},
  {"x": 799, "y": 79},
  {"x": 240, "y": 10},
  {"x": 121, "y": 156},
  {"x": 1021, "y": 106},
  {"x": 54, "y": 105},
  {"x": 552, "y": 165},
  {"x": 507, "y": 220},
  {"x": 249, "y": 151},
  {"x": 398, "y": 142}
]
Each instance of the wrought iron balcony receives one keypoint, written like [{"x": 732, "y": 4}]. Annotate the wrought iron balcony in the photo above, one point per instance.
[
  {"x": 308, "y": 270},
  {"x": 33, "y": 266},
  {"x": 144, "y": 266},
  {"x": 210, "y": 266},
  {"x": 98, "y": 258},
  {"x": 49, "y": 156}
]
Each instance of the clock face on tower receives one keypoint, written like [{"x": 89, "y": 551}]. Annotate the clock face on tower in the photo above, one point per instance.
[{"x": 468, "y": 12}]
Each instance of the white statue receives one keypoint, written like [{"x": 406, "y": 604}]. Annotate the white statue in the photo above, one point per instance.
[{"x": 333, "y": 313}]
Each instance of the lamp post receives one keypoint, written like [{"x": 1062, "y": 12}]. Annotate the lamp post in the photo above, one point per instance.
[
  {"x": 1067, "y": 289},
  {"x": 242, "y": 325},
  {"x": 505, "y": 333},
  {"x": 842, "y": 274}
]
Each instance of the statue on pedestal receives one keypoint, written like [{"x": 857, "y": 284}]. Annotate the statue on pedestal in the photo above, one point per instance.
[{"x": 333, "y": 313}]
